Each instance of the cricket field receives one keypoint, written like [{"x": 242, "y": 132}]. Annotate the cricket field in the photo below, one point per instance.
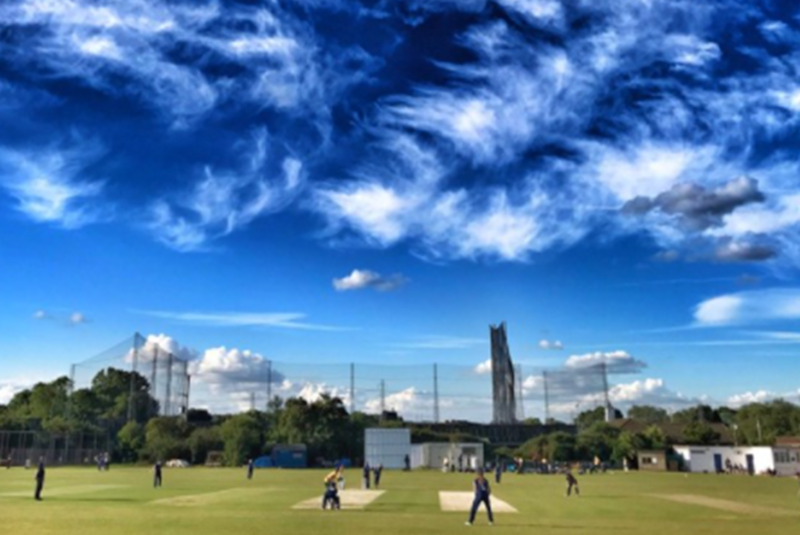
[{"x": 204, "y": 501}]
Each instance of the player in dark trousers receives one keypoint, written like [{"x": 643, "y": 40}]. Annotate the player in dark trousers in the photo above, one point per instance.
[
  {"x": 572, "y": 482},
  {"x": 498, "y": 472},
  {"x": 250, "y": 468},
  {"x": 482, "y": 493},
  {"x": 366, "y": 475},
  {"x": 157, "y": 474},
  {"x": 39, "y": 480},
  {"x": 378, "y": 472},
  {"x": 331, "y": 496}
]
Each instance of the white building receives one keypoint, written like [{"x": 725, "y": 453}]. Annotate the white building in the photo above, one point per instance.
[
  {"x": 433, "y": 455},
  {"x": 753, "y": 459},
  {"x": 387, "y": 447}
]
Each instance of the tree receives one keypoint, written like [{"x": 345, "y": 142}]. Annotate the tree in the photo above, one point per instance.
[
  {"x": 590, "y": 417},
  {"x": 700, "y": 433},
  {"x": 626, "y": 446},
  {"x": 597, "y": 441},
  {"x": 648, "y": 414},
  {"x": 165, "y": 438},
  {"x": 700, "y": 413},
  {"x": 761, "y": 423},
  {"x": 532, "y": 421},
  {"x": 242, "y": 438},
  {"x": 130, "y": 441},
  {"x": 560, "y": 446},
  {"x": 113, "y": 390},
  {"x": 203, "y": 440},
  {"x": 654, "y": 438}
]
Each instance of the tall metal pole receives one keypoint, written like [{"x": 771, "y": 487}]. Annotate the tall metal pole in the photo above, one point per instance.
[
  {"x": 520, "y": 398},
  {"x": 383, "y": 397},
  {"x": 68, "y": 408},
  {"x": 352, "y": 388},
  {"x": 435, "y": 394},
  {"x": 134, "y": 366},
  {"x": 168, "y": 391},
  {"x": 269, "y": 383},
  {"x": 546, "y": 399},
  {"x": 609, "y": 416},
  {"x": 154, "y": 376}
]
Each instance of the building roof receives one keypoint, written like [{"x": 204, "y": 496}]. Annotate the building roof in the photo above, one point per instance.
[
  {"x": 788, "y": 441},
  {"x": 673, "y": 432}
]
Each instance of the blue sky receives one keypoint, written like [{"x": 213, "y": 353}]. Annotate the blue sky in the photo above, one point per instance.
[{"x": 326, "y": 182}]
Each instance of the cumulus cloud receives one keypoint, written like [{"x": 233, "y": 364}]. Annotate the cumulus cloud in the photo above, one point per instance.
[
  {"x": 746, "y": 398},
  {"x": 551, "y": 344},
  {"x": 9, "y": 387},
  {"x": 614, "y": 361},
  {"x": 161, "y": 344},
  {"x": 749, "y": 307},
  {"x": 359, "y": 279},
  {"x": 484, "y": 368},
  {"x": 48, "y": 187},
  {"x": 698, "y": 207},
  {"x": 730, "y": 250},
  {"x": 220, "y": 365},
  {"x": 77, "y": 318}
]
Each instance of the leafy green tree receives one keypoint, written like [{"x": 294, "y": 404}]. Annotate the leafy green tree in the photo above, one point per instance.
[
  {"x": 598, "y": 440},
  {"x": 700, "y": 433},
  {"x": 203, "y": 440},
  {"x": 130, "y": 441},
  {"x": 648, "y": 414},
  {"x": 165, "y": 438},
  {"x": 654, "y": 438},
  {"x": 700, "y": 413},
  {"x": 626, "y": 446},
  {"x": 761, "y": 423},
  {"x": 590, "y": 417},
  {"x": 561, "y": 446},
  {"x": 241, "y": 435}
]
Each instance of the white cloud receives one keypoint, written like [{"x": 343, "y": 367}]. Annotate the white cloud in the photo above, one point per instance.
[
  {"x": 12, "y": 386},
  {"x": 287, "y": 320},
  {"x": 551, "y": 344},
  {"x": 484, "y": 368},
  {"x": 163, "y": 344},
  {"x": 615, "y": 361},
  {"x": 219, "y": 365},
  {"x": 759, "y": 396},
  {"x": 749, "y": 307},
  {"x": 221, "y": 203},
  {"x": 443, "y": 342},
  {"x": 40, "y": 315},
  {"x": 359, "y": 279},
  {"x": 47, "y": 185},
  {"x": 536, "y": 10},
  {"x": 77, "y": 318}
]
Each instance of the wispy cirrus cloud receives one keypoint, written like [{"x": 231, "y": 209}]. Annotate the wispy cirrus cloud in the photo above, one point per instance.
[
  {"x": 48, "y": 186},
  {"x": 442, "y": 342},
  {"x": 752, "y": 307},
  {"x": 220, "y": 203},
  {"x": 285, "y": 320}
]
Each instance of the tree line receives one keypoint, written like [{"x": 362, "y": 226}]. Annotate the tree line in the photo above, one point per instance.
[{"x": 118, "y": 404}]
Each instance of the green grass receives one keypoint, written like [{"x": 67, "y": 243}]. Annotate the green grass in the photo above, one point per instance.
[{"x": 85, "y": 502}]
